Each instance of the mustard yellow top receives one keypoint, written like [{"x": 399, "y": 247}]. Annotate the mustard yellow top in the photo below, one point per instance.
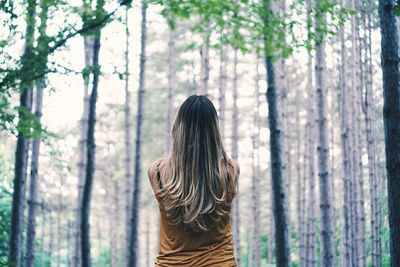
[{"x": 183, "y": 248}]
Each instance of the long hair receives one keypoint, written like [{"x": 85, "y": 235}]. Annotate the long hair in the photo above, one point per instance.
[{"x": 197, "y": 194}]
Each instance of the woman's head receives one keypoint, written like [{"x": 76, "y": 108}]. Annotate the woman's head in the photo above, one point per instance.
[{"x": 196, "y": 195}]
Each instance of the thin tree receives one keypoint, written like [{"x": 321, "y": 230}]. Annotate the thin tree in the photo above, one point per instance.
[
  {"x": 32, "y": 202},
  {"x": 205, "y": 65},
  {"x": 133, "y": 233},
  {"x": 90, "y": 161},
  {"x": 88, "y": 54},
  {"x": 127, "y": 136},
  {"x": 22, "y": 148},
  {"x": 310, "y": 242},
  {"x": 391, "y": 119},
  {"x": 371, "y": 144},
  {"x": 359, "y": 211},
  {"x": 322, "y": 148},
  {"x": 235, "y": 155},
  {"x": 279, "y": 197},
  {"x": 344, "y": 113},
  {"x": 170, "y": 89},
  {"x": 255, "y": 188},
  {"x": 222, "y": 87}
]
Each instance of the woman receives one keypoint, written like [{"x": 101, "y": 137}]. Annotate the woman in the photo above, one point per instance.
[{"x": 195, "y": 187}]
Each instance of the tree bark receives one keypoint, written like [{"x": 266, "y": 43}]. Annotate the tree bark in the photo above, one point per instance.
[
  {"x": 22, "y": 148},
  {"x": 344, "y": 113},
  {"x": 170, "y": 90},
  {"x": 235, "y": 155},
  {"x": 356, "y": 146},
  {"x": 391, "y": 119},
  {"x": 222, "y": 88},
  {"x": 88, "y": 54},
  {"x": 133, "y": 234},
  {"x": 323, "y": 149},
  {"x": 310, "y": 155},
  {"x": 32, "y": 202},
  {"x": 282, "y": 250},
  {"x": 90, "y": 161},
  {"x": 256, "y": 242},
  {"x": 205, "y": 66},
  {"x": 128, "y": 137},
  {"x": 371, "y": 151}
]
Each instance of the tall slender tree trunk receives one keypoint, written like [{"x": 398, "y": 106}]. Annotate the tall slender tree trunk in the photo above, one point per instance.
[
  {"x": 88, "y": 54},
  {"x": 356, "y": 153},
  {"x": 133, "y": 234},
  {"x": 170, "y": 90},
  {"x": 32, "y": 202},
  {"x": 371, "y": 151},
  {"x": 310, "y": 156},
  {"x": 222, "y": 88},
  {"x": 235, "y": 154},
  {"x": 391, "y": 119},
  {"x": 323, "y": 149},
  {"x": 279, "y": 197},
  {"x": 282, "y": 86},
  {"x": 22, "y": 148},
  {"x": 256, "y": 242},
  {"x": 205, "y": 66},
  {"x": 90, "y": 161},
  {"x": 128, "y": 136},
  {"x": 344, "y": 113},
  {"x": 299, "y": 181}
]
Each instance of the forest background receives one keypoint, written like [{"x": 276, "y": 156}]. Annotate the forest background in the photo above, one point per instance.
[{"x": 88, "y": 92}]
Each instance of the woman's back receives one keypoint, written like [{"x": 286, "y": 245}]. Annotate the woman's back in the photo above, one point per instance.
[{"x": 181, "y": 246}]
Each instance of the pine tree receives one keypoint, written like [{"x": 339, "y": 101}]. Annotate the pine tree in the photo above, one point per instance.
[
  {"x": 391, "y": 115},
  {"x": 22, "y": 148},
  {"x": 133, "y": 234}
]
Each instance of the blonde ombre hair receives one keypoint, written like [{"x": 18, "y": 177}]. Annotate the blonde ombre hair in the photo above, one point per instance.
[{"x": 199, "y": 192}]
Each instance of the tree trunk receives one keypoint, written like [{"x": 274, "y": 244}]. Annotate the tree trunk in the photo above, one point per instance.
[
  {"x": 90, "y": 161},
  {"x": 222, "y": 88},
  {"x": 323, "y": 149},
  {"x": 371, "y": 151},
  {"x": 235, "y": 154},
  {"x": 310, "y": 156},
  {"x": 256, "y": 242},
  {"x": 88, "y": 53},
  {"x": 32, "y": 202},
  {"x": 299, "y": 181},
  {"x": 128, "y": 136},
  {"x": 133, "y": 234},
  {"x": 344, "y": 112},
  {"x": 391, "y": 116},
  {"x": 170, "y": 90},
  {"x": 22, "y": 148},
  {"x": 205, "y": 67},
  {"x": 282, "y": 250},
  {"x": 356, "y": 149}
]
